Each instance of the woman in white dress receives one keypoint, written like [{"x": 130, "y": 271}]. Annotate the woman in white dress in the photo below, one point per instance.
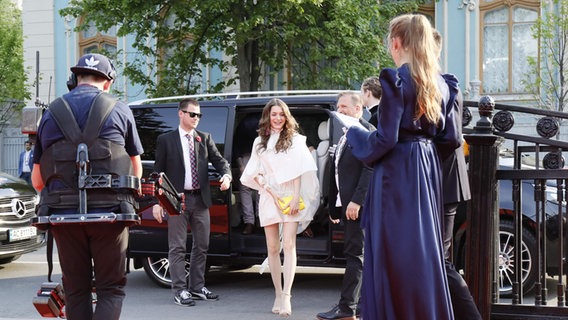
[{"x": 280, "y": 166}]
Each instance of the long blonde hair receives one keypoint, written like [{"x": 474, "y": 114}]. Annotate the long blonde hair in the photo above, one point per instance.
[{"x": 416, "y": 37}]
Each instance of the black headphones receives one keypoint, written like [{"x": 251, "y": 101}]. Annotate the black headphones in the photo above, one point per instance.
[
  {"x": 112, "y": 73},
  {"x": 72, "y": 81}
]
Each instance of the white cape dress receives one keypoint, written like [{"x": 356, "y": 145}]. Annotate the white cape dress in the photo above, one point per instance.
[{"x": 278, "y": 170}]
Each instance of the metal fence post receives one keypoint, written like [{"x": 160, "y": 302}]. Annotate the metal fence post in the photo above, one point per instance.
[{"x": 482, "y": 216}]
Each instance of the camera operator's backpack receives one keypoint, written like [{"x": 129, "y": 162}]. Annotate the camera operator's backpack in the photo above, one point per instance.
[
  {"x": 59, "y": 164},
  {"x": 59, "y": 161}
]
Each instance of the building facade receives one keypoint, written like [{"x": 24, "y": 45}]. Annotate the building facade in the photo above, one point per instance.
[{"x": 485, "y": 44}]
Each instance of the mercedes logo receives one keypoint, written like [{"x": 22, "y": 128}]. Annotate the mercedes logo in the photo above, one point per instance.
[{"x": 18, "y": 208}]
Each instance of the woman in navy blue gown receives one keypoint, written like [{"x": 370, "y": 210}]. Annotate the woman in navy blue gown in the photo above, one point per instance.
[{"x": 403, "y": 273}]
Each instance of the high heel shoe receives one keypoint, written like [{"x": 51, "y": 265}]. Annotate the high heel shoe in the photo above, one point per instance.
[
  {"x": 277, "y": 303},
  {"x": 285, "y": 306}
]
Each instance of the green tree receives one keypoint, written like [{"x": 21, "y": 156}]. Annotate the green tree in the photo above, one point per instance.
[
  {"x": 13, "y": 90},
  {"x": 549, "y": 71},
  {"x": 322, "y": 44}
]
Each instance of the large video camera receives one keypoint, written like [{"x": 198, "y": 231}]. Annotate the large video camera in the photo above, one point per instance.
[
  {"x": 50, "y": 300},
  {"x": 157, "y": 188}
]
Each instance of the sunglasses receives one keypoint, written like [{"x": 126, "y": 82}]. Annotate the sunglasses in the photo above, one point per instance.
[{"x": 193, "y": 114}]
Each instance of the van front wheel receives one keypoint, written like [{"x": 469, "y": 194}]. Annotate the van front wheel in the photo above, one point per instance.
[{"x": 158, "y": 270}]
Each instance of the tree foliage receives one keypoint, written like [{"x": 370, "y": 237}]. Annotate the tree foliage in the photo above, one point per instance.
[
  {"x": 320, "y": 44},
  {"x": 548, "y": 77},
  {"x": 13, "y": 90}
]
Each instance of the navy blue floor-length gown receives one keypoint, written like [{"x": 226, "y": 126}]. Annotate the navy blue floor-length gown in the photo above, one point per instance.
[{"x": 403, "y": 274}]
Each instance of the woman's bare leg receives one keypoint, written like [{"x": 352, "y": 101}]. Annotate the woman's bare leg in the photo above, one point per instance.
[
  {"x": 289, "y": 230},
  {"x": 273, "y": 249}
]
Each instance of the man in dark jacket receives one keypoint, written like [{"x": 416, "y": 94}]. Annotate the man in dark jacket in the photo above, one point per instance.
[
  {"x": 183, "y": 155},
  {"x": 371, "y": 93},
  {"x": 25, "y": 163},
  {"x": 347, "y": 193},
  {"x": 455, "y": 184},
  {"x": 88, "y": 249}
]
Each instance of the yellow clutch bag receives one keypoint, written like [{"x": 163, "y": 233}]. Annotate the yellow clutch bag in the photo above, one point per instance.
[{"x": 284, "y": 201}]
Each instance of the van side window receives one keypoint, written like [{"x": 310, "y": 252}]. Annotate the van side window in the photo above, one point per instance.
[
  {"x": 155, "y": 120},
  {"x": 151, "y": 122},
  {"x": 214, "y": 121},
  {"x": 309, "y": 123}
]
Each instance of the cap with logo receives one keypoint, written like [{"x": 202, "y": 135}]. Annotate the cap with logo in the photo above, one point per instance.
[{"x": 97, "y": 64}]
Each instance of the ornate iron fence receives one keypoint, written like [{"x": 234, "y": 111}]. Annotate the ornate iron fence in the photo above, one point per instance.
[{"x": 524, "y": 232}]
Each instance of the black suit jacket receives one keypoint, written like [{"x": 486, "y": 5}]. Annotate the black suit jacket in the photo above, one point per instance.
[
  {"x": 169, "y": 159},
  {"x": 454, "y": 169},
  {"x": 374, "y": 119},
  {"x": 354, "y": 178}
]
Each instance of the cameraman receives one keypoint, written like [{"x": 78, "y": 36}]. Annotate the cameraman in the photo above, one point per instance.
[{"x": 90, "y": 249}]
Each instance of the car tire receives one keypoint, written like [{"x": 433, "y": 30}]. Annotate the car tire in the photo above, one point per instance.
[
  {"x": 158, "y": 270},
  {"x": 507, "y": 262}
]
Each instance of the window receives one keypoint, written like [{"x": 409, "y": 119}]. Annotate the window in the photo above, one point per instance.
[
  {"x": 184, "y": 74},
  {"x": 429, "y": 10},
  {"x": 506, "y": 44},
  {"x": 92, "y": 40},
  {"x": 153, "y": 121}
]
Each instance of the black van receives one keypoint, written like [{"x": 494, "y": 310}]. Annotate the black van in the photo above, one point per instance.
[{"x": 322, "y": 245}]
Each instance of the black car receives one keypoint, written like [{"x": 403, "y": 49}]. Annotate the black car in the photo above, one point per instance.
[
  {"x": 506, "y": 254},
  {"x": 322, "y": 245},
  {"x": 18, "y": 202}
]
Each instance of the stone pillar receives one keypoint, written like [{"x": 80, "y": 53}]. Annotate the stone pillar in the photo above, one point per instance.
[
  {"x": 475, "y": 86},
  {"x": 482, "y": 216}
]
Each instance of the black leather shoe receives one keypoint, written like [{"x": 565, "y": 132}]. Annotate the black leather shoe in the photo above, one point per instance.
[
  {"x": 248, "y": 229},
  {"x": 336, "y": 314}
]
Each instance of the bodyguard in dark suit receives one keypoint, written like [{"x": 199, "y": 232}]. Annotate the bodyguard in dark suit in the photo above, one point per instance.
[
  {"x": 347, "y": 193},
  {"x": 455, "y": 184},
  {"x": 183, "y": 155},
  {"x": 456, "y": 191}
]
